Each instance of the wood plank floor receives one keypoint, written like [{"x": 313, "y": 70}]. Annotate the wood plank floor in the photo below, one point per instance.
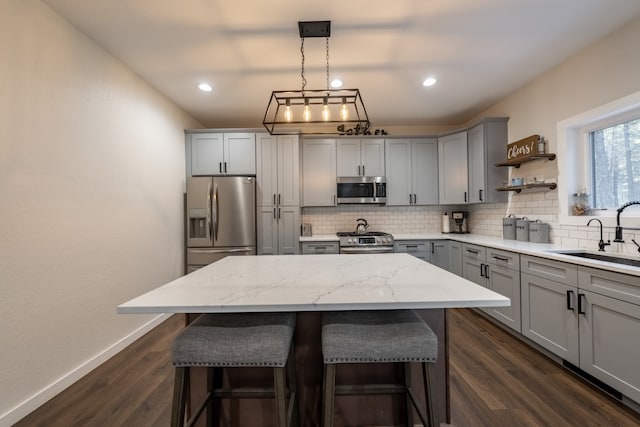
[{"x": 496, "y": 380}]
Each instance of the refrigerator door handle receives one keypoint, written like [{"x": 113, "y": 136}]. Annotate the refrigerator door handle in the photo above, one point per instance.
[
  {"x": 219, "y": 251},
  {"x": 209, "y": 213},
  {"x": 215, "y": 210}
]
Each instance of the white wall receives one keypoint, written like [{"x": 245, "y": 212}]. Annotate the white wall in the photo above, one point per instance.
[
  {"x": 606, "y": 71},
  {"x": 91, "y": 184}
]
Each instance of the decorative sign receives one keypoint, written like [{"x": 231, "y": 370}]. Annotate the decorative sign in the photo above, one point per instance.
[{"x": 523, "y": 148}]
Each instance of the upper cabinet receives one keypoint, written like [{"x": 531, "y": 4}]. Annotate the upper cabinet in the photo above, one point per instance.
[
  {"x": 319, "y": 172},
  {"x": 222, "y": 153},
  {"x": 412, "y": 171},
  {"x": 360, "y": 157},
  {"x": 466, "y": 162},
  {"x": 453, "y": 169},
  {"x": 487, "y": 143}
]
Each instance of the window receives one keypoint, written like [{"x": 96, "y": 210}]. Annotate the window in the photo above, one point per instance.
[
  {"x": 599, "y": 156},
  {"x": 615, "y": 164}
]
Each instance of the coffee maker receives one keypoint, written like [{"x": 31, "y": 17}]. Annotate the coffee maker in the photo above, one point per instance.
[{"x": 459, "y": 222}]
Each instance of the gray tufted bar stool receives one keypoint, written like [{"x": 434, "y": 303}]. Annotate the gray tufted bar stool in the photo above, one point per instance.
[
  {"x": 393, "y": 336},
  {"x": 229, "y": 340}
]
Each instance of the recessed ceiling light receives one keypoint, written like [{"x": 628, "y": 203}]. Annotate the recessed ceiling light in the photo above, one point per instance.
[
  {"x": 336, "y": 83},
  {"x": 430, "y": 81},
  {"x": 205, "y": 87}
]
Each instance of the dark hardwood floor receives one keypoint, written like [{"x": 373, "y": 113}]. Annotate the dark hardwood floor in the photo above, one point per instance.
[{"x": 496, "y": 380}]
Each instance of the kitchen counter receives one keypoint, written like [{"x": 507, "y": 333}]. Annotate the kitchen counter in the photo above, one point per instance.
[
  {"x": 543, "y": 250},
  {"x": 314, "y": 283}
]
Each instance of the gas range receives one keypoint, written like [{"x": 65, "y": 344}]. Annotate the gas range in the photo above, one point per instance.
[{"x": 369, "y": 242}]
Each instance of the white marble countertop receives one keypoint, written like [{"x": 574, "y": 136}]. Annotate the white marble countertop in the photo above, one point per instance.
[
  {"x": 543, "y": 250},
  {"x": 314, "y": 283}
]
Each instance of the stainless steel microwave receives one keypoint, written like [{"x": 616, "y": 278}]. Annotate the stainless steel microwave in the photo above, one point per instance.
[{"x": 362, "y": 190}]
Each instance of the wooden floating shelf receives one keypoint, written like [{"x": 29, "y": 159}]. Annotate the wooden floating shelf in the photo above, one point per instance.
[
  {"x": 517, "y": 162},
  {"x": 519, "y": 188}
]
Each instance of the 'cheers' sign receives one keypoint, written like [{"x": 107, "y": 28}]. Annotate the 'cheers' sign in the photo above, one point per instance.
[{"x": 523, "y": 148}]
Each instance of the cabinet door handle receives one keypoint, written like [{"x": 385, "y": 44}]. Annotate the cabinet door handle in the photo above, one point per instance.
[
  {"x": 410, "y": 198},
  {"x": 363, "y": 173},
  {"x": 415, "y": 199},
  {"x": 486, "y": 271},
  {"x": 481, "y": 270},
  {"x": 279, "y": 198},
  {"x": 580, "y": 304},
  {"x": 274, "y": 199},
  {"x": 278, "y": 213},
  {"x": 220, "y": 167},
  {"x": 358, "y": 170},
  {"x": 465, "y": 197},
  {"x": 225, "y": 167},
  {"x": 570, "y": 300},
  {"x": 480, "y": 195},
  {"x": 274, "y": 213},
  {"x": 433, "y": 248}
]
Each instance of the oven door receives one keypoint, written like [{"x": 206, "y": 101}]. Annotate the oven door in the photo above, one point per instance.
[{"x": 367, "y": 250}]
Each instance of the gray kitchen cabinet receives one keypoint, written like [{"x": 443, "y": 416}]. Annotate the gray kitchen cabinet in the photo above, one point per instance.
[
  {"x": 319, "y": 172},
  {"x": 549, "y": 315},
  {"x": 418, "y": 248},
  {"x": 412, "y": 171},
  {"x": 499, "y": 271},
  {"x": 453, "y": 178},
  {"x": 609, "y": 336},
  {"x": 278, "y": 194},
  {"x": 315, "y": 248},
  {"x": 360, "y": 157},
  {"x": 216, "y": 153},
  {"x": 487, "y": 144},
  {"x": 440, "y": 253},
  {"x": 455, "y": 257},
  {"x": 609, "y": 325}
]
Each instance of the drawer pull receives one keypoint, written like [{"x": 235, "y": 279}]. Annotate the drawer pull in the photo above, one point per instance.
[
  {"x": 473, "y": 251},
  {"x": 501, "y": 258}
]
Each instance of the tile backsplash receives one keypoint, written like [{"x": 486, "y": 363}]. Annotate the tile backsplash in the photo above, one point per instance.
[{"x": 482, "y": 219}]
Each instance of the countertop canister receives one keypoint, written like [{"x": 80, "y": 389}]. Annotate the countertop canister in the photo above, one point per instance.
[
  {"x": 509, "y": 227},
  {"x": 522, "y": 229},
  {"x": 538, "y": 232}
]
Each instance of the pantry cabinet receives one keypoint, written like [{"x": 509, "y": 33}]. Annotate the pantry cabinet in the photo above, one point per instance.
[
  {"x": 360, "y": 157},
  {"x": 214, "y": 153},
  {"x": 278, "y": 194},
  {"x": 319, "y": 172},
  {"x": 412, "y": 171}
]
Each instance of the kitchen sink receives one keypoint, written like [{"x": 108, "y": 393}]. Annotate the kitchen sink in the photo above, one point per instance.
[{"x": 602, "y": 257}]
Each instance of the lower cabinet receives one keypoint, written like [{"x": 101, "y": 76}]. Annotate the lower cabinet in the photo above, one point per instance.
[
  {"x": 315, "y": 248},
  {"x": 455, "y": 257},
  {"x": 417, "y": 248},
  {"x": 440, "y": 254},
  {"x": 597, "y": 331},
  {"x": 499, "y": 271}
]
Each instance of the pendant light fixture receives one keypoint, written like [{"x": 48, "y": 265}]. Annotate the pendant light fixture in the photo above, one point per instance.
[{"x": 315, "y": 111}]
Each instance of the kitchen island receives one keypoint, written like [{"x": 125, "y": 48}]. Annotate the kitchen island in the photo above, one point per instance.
[{"x": 312, "y": 284}]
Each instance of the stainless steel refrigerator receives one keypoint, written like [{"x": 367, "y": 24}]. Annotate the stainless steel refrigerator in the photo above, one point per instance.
[{"x": 221, "y": 219}]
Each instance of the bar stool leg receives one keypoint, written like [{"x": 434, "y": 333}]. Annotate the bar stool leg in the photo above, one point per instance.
[
  {"x": 180, "y": 385},
  {"x": 280, "y": 396},
  {"x": 428, "y": 372},
  {"x": 293, "y": 417},
  {"x": 329, "y": 394},
  {"x": 407, "y": 397}
]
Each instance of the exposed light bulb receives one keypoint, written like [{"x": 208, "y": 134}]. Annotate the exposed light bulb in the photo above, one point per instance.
[
  {"x": 344, "y": 111},
  {"x": 288, "y": 115},
  {"x": 326, "y": 114},
  {"x": 306, "y": 113},
  {"x": 335, "y": 83},
  {"x": 205, "y": 87}
]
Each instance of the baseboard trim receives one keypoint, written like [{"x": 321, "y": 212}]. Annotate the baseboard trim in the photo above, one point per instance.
[{"x": 49, "y": 392}]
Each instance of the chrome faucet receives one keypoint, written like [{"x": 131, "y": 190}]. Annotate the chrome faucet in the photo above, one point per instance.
[
  {"x": 601, "y": 243},
  {"x": 618, "y": 238}
]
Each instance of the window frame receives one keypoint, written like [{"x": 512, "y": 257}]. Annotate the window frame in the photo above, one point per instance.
[{"x": 573, "y": 143}]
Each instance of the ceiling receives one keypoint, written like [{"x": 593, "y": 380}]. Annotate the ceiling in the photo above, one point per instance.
[{"x": 479, "y": 50}]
